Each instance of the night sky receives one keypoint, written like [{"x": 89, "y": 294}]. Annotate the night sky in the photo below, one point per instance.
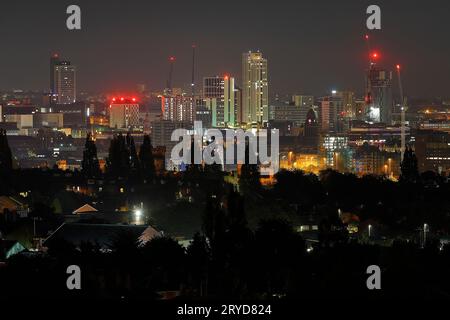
[{"x": 312, "y": 46}]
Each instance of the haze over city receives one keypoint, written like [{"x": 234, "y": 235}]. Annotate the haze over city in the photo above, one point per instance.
[{"x": 312, "y": 46}]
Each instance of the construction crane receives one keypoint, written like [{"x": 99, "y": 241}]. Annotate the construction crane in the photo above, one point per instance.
[
  {"x": 402, "y": 112},
  {"x": 193, "y": 71},
  {"x": 366, "y": 37},
  {"x": 169, "y": 80},
  {"x": 372, "y": 56}
]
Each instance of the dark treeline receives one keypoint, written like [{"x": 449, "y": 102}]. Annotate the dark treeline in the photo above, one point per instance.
[
  {"x": 227, "y": 259},
  {"x": 247, "y": 244}
]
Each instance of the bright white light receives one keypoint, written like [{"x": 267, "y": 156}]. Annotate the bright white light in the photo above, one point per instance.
[{"x": 138, "y": 213}]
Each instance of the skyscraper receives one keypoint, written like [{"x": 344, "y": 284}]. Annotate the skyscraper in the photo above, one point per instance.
[
  {"x": 213, "y": 87},
  {"x": 229, "y": 110},
  {"x": 178, "y": 107},
  {"x": 54, "y": 60},
  {"x": 64, "y": 82},
  {"x": 255, "y": 95},
  {"x": 379, "y": 95},
  {"x": 223, "y": 99},
  {"x": 333, "y": 114}
]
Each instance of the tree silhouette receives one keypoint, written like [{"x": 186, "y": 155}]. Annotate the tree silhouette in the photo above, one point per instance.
[
  {"x": 134, "y": 160},
  {"x": 278, "y": 252},
  {"x": 165, "y": 259},
  {"x": 198, "y": 259},
  {"x": 146, "y": 158},
  {"x": 90, "y": 166},
  {"x": 5, "y": 153},
  {"x": 249, "y": 177},
  {"x": 119, "y": 157},
  {"x": 409, "y": 168}
]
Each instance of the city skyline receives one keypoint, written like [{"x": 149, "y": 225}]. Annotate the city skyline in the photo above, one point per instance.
[
  {"x": 305, "y": 56},
  {"x": 261, "y": 153}
]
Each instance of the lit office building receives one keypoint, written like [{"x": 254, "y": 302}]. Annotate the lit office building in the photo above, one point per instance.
[
  {"x": 223, "y": 99},
  {"x": 337, "y": 154},
  {"x": 432, "y": 149},
  {"x": 202, "y": 112},
  {"x": 370, "y": 159},
  {"x": 178, "y": 107},
  {"x": 255, "y": 94},
  {"x": 64, "y": 83},
  {"x": 332, "y": 114},
  {"x": 124, "y": 113},
  {"x": 287, "y": 112}
]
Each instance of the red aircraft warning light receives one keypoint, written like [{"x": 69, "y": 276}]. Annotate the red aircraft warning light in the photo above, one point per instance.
[
  {"x": 134, "y": 99},
  {"x": 375, "y": 55},
  {"x": 398, "y": 67},
  {"x": 171, "y": 58}
]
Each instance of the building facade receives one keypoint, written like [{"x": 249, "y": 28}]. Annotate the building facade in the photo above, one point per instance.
[
  {"x": 223, "y": 99},
  {"x": 379, "y": 95},
  {"x": 64, "y": 83},
  {"x": 178, "y": 107},
  {"x": 255, "y": 92},
  {"x": 124, "y": 114}
]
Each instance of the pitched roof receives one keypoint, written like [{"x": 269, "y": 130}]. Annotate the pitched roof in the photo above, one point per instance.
[
  {"x": 100, "y": 234},
  {"x": 9, "y": 248},
  {"x": 87, "y": 208},
  {"x": 9, "y": 203}
]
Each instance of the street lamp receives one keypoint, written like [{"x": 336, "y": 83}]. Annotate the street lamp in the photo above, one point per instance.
[
  {"x": 390, "y": 166},
  {"x": 138, "y": 213},
  {"x": 425, "y": 230}
]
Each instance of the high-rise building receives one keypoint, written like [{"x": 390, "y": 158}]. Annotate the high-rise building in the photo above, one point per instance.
[
  {"x": 337, "y": 154},
  {"x": 348, "y": 98},
  {"x": 223, "y": 99},
  {"x": 202, "y": 112},
  {"x": 433, "y": 150},
  {"x": 124, "y": 113},
  {"x": 255, "y": 93},
  {"x": 379, "y": 95},
  {"x": 64, "y": 83},
  {"x": 304, "y": 104},
  {"x": 54, "y": 60},
  {"x": 213, "y": 87},
  {"x": 229, "y": 109},
  {"x": 215, "y": 107},
  {"x": 178, "y": 107},
  {"x": 332, "y": 114},
  {"x": 161, "y": 137}
]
